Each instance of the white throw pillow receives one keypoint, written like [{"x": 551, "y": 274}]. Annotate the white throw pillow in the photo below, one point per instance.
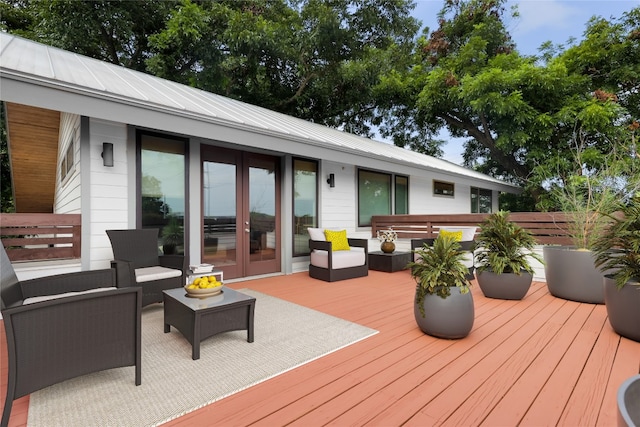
[{"x": 317, "y": 234}]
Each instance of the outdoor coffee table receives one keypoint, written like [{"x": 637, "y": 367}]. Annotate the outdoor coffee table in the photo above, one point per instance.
[{"x": 201, "y": 318}]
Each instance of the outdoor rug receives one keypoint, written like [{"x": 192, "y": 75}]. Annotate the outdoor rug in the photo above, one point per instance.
[{"x": 286, "y": 336}]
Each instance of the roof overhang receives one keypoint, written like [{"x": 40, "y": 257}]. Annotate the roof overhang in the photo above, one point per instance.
[{"x": 151, "y": 102}]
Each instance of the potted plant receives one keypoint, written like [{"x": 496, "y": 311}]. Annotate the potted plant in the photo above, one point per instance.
[
  {"x": 617, "y": 250},
  {"x": 172, "y": 235},
  {"x": 502, "y": 259},
  {"x": 387, "y": 240},
  {"x": 587, "y": 194},
  {"x": 443, "y": 305},
  {"x": 629, "y": 402}
]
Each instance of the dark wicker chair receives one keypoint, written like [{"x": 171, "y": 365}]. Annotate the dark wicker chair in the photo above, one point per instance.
[
  {"x": 331, "y": 274},
  {"x": 63, "y": 337},
  {"x": 138, "y": 249}
]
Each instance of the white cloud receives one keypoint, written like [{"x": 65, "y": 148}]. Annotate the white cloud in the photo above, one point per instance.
[{"x": 536, "y": 16}]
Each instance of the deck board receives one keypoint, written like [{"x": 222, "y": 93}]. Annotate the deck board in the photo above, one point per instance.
[{"x": 539, "y": 361}]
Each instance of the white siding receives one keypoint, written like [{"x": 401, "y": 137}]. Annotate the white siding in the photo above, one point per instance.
[
  {"x": 67, "y": 198},
  {"x": 108, "y": 189}
]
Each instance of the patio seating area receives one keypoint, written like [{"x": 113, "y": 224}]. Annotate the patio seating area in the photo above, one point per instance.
[{"x": 539, "y": 361}]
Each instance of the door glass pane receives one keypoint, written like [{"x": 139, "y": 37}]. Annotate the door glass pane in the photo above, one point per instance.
[
  {"x": 374, "y": 196},
  {"x": 402, "y": 195},
  {"x": 163, "y": 190},
  {"x": 305, "y": 202},
  {"x": 219, "y": 206},
  {"x": 262, "y": 213}
]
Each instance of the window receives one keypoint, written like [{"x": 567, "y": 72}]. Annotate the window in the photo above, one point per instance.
[
  {"x": 441, "y": 188},
  {"x": 402, "y": 195},
  {"x": 162, "y": 188},
  {"x": 305, "y": 203},
  {"x": 67, "y": 165},
  {"x": 377, "y": 195},
  {"x": 481, "y": 200}
]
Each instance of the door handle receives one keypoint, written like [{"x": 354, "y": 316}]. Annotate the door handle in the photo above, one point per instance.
[{"x": 246, "y": 230}]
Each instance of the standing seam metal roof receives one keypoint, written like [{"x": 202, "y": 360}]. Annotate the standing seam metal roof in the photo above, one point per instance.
[{"x": 27, "y": 59}]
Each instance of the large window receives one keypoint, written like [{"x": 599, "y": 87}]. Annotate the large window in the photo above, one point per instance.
[
  {"x": 305, "y": 203},
  {"x": 376, "y": 195},
  {"x": 481, "y": 200},
  {"x": 162, "y": 189}
]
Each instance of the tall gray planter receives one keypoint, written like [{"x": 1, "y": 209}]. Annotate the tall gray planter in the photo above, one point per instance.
[
  {"x": 504, "y": 286},
  {"x": 623, "y": 308},
  {"x": 450, "y": 317},
  {"x": 571, "y": 274},
  {"x": 629, "y": 402}
]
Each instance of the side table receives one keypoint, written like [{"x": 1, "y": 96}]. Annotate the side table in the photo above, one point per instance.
[
  {"x": 395, "y": 261},
  {"x": 201, "y": 318}
]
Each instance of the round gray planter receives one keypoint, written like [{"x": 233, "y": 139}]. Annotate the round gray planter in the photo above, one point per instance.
[
  {"x": 450, "y": 317},
  {"x": 504, "y": 286},
  {"x": 629, "y": 402},
  {"x": 623, "y": 308},
  {"x": 571, "y": 274}
]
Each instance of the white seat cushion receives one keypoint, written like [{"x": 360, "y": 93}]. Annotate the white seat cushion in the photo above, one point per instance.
[
  {"x": 341, "y": 259},
  {"x": 32, "y": 300},
  {"x": 149, "y": 274}
]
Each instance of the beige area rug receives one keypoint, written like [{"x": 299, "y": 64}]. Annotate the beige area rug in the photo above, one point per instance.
[{"x": 286, "y": 336}]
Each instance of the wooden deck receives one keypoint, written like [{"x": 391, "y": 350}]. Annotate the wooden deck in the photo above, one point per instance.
[{"x": 539, "y": 361}]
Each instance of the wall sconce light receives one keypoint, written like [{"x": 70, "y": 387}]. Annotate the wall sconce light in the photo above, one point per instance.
[
  {"x": 107, "y": 154},
  {"x": 331, "y": 180}
]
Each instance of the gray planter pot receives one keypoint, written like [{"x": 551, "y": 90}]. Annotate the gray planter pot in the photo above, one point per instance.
[
  {"x": 572, "y": 275},
  {"x": 623, "y": 308},
  {"x": 504, "y": 286},
  {"x": 629, "y": 402},
  {"x": 450, "y": 318}
]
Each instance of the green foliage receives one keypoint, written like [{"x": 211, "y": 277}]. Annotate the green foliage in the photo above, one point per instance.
[
  {"x": 504, "y": 246},
  {"x": 590, "y": 185},
  {"x": 618, "y": 247},
  {"x": 438, "y": 268},
  {"x": 172, "y": 232},
  {"x": 6, "y": 192},
  {"x": 517, "y": 112}
]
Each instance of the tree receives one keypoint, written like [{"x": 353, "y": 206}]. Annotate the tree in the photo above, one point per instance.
[
  {"x": 517, "y": 112},
  {"x": 6, "y": 192}
]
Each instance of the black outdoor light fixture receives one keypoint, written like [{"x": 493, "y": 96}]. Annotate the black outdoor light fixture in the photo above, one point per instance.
[
  {"x": 107, "y": 154},
  {"x": 331, "y": 180}
]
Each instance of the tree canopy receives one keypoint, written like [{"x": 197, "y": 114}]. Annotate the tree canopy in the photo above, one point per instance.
[{"x": 522, "y": 116}]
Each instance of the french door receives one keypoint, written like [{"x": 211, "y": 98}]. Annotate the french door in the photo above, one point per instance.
[{"x": 240, "y": 212}]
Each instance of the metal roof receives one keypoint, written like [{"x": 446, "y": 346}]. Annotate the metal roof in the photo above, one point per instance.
[{"x": 36, "y": 63}]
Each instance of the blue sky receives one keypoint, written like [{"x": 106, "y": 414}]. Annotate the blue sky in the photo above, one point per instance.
[{"x": 539, "y": 21}]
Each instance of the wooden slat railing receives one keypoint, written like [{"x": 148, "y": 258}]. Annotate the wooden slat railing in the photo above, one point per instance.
[
  {"x": 35, "y": 236},
  {"x": 547, "y": 227}
]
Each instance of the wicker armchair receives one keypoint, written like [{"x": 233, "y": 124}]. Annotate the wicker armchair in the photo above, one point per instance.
[
  {"x": 138, "y": 263},
  {"x": 64, "y": 326},
  {"x": 332, "y": 265}
]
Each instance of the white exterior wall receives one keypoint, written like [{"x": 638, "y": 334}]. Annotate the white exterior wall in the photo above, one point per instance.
[
  {"x": 105, "y": 200},
  {"x": 67, "y": 199}
]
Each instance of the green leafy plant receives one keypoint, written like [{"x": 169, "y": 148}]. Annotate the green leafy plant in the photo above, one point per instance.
[
  {"x": 172, "y": 233},
  {"x": 439, "y": 268},
  {"x": 618, "y": 247},
  {"x": 504, "y": 246},
  {"x": 589, "y": 187}
]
